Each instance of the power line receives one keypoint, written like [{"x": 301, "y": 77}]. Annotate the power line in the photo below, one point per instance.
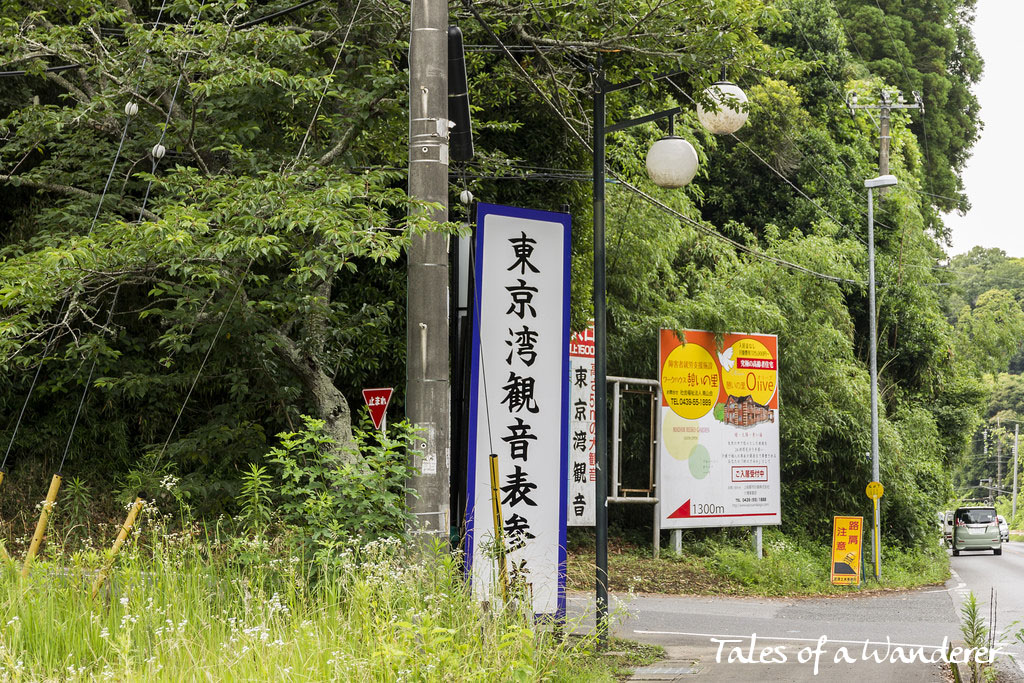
[
  {"x": 741, "y": 247},
  {"x": 248, "y": 268},
  {"x": 92, "y": 225},
  {"x": 156, "y": 157},
  {"x": 702, "y": 228},
  {"x": 280, "y": 13},
  {"x": 50, "y": 69}
]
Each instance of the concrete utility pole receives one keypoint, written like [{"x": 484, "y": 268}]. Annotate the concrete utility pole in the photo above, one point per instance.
[
  {"x": 999, "y": 453},
  {"x": 428, "y": 393},
  {"x": 1016, "y": 438},
  {"x": 885, "y": 105}
]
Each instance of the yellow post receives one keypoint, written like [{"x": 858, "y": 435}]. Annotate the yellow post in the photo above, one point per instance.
[
  {"x": 122, "y": 535},
  {"x": 499, "y": 540},
  {"x": 878, "y": 545},
  {"x": 3, "y": 550},
  {"x": 44, "y": 516}
]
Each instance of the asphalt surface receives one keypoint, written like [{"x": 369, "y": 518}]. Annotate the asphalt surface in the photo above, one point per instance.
[
  {"x": 702, "y": 634},
  {"x": 999, "y": 580}
]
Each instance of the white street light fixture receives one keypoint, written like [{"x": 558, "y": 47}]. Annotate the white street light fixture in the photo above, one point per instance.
[
  {"x": 671, "y": 162},
  {"x": 881, "y": 181},
  {"x": 729, "y": 115}
]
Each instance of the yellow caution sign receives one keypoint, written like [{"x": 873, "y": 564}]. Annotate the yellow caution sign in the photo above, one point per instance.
[
  {"x": 847, "y": 539},
  {"x": 875, "y": 490}
]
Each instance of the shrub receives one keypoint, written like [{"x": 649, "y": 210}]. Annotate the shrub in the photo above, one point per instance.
[{"x": 329, "y": 498}]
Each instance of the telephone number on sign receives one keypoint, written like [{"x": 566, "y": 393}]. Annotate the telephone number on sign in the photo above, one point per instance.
[{"x": 691, "y": 401}]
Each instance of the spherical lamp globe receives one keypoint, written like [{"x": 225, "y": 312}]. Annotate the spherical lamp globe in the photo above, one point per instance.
[
  {"x": 729, "y": 116},
  {"x": 671, "y": 162}
]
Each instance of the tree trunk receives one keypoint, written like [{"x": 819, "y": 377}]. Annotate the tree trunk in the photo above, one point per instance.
[{"x": 331, "y": 405}]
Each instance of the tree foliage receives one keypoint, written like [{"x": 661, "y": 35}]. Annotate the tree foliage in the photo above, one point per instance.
[
  {"x": 266, "y": 248},
  {"x": 210, "y": 297},
  {"x": 926, "y": 46}
]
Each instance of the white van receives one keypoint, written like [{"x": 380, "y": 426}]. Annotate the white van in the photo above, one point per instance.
[{"x": 947, "y": 528}]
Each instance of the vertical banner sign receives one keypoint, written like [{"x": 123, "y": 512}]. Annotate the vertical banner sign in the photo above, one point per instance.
[
  {"x": 720, "y": 430},
  {"x": 847, "y": 540},
  {"x": 519, "y": 393},
  {"x": 582, "y": 430}
]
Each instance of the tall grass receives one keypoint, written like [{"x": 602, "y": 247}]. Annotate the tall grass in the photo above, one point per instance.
[{"x": 199, "y": 605}]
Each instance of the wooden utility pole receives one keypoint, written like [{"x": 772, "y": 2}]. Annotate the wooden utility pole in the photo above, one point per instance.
[
  {"x": 885, "y": 105},
  {"x": 428, "y": 394}
]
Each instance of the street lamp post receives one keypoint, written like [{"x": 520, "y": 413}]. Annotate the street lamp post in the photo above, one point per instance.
[
  {"x": 671, "y": 162},
  {"x": 871, "y": 184}
]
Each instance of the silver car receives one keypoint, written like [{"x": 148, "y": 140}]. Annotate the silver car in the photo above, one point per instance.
[
  {"x": 976, "y": 528},
  {"x": 1004, "y": 529}
]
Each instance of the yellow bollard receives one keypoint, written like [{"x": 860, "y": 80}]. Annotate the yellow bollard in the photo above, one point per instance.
[
  {"x": 3, "y": 551},
  {"x": 121, "y": 537},
  {"x": 37, "y": 537},
  {"x": 498, "y": 536}
]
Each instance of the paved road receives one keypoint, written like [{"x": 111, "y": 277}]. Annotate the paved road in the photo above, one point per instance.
[
  {"x": 980, "y": 573},
  {"x": 693, "y": 631},
  {"x": 697, "y": 631}
]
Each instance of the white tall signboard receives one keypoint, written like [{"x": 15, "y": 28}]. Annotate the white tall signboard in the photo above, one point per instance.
[
  {"x": 518, "y": 396},
  {"x": 720, "y": 430},
  {"x": 582, "y": 430}
]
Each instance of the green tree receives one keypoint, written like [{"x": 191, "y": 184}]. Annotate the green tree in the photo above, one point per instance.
[
  {"x": 259, "y": 251},
  {"x": 926, "y": 46},
  {"x": 992, "y": 333}
]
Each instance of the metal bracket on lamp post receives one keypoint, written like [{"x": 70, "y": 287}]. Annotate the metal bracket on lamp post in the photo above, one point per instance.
[{"x": 671, "y": 163}]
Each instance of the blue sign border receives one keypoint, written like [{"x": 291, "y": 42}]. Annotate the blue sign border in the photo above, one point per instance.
[{"x": 482, "y": 212}]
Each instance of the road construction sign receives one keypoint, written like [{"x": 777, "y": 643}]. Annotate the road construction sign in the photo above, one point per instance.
[{"x": 847, "y": 538}]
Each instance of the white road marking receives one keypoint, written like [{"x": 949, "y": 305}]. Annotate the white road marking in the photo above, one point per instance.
[
  {"x": 761, "y": 637},
  {"x": 960, "y": 583}
]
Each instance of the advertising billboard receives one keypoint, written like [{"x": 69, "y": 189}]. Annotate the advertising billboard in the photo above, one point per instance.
[{"x": 719, "y": 457}]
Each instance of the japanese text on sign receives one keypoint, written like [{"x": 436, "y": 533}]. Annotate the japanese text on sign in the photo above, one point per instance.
[
  {"x": 519, "y": 397},
  {"x": 847, "y": 537},
  {"x": 582, "y": 429}
]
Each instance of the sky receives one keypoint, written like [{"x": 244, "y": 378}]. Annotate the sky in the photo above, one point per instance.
[{"x": 991, "y": 183}]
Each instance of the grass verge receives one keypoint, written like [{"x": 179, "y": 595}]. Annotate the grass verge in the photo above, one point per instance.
[
  {"x": 789, "y": 568},
  {"x": 181, "y": 606}
]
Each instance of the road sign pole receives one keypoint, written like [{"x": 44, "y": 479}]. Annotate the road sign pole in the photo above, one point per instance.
[
  {"x": 878, "y": 544},
  {"x": 874, "y": 492}
]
